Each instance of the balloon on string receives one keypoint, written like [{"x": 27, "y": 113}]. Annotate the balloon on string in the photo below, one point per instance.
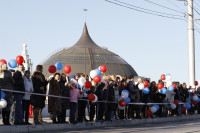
[
  {"x": 196, "y": 83},
  {"x": 12, "y": 63},
  {"x": 176, "y": 102},
  {"x": 194, "y": 102},
  {"x": 88, "y": 84},
  {"x": 20, "y": 59},
  {"x": 171, "y": 88},
  {"x": 145, "y": 83},
  {"x": 146, "y": 90},
  {"x": 67, "y": 69},
  {"x": 168, "y": 83},
  {"x": 173, "y": 106},
  {"x": 153, "y": 109},
  {"x": 93, "y": 73},
  {"x": 168, "y": 77},
  {"x": 198, "y": 100},
  {"x": 157, "y": 107},
  {"x": 98, "y": 72},
  {"x": 195, "y": 98},
  {"x": 52, "y": 69},
  {"x": 2, "y": 61},
  {"x": 187, "y": 106},
  {"x": 2, "y": 95},
  {"x": 160, "y": 86},
  {"x": 97, "y": 79},
  {"x": 141, "y": 86},
  {"x": 81, "y": 81},
  {"x": 122, "y": 103},
  {"x": 91, "y": 97},
  {"x": 127, "y": 100},
  {"x": 3, "y": 103},
  {"x": 149, "y": 113},
  {"x": 174, "y": 85},
  {"x": 103, "y": 68},
  {"x": 163, "y": 91},
  {"x": 59, "y": 66},
  {"x": 162, "y": 76}
]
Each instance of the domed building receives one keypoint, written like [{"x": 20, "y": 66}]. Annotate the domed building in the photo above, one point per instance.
[{"x": 86, "y": 55}]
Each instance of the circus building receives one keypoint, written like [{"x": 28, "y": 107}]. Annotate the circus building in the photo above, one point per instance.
[{"x": 86, "y": 55}]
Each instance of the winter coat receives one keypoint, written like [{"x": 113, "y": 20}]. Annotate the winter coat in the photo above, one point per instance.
[
  {"x": 7, "y": 82},
  {"x": 133, "y": 91},
  {"x": 54, "y": 104},
  {"x": 65, "y": 92},
  {"x": 28, "y": 84},
  {"x": 19, "y": 82},
  {"x": 184, "y": 94},
  {"x": 74, "y": 95},
  {"x": 36, "y": 100}
]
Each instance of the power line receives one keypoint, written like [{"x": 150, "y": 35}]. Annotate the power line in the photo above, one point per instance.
[
  {"x": 143, "y": 11},
  {"x": 176, "y": 5},
  {"x": 196, "y": 4},
  {"x": 147, "y": 9}
]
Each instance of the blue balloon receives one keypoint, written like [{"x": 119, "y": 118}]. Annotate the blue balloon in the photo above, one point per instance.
[
  {"x": 187, "y": 106},
  {"x": 58, "y": 66},
  {"x": 98, "y": 72},
  {"x": 146, "y": 90},
  {"x": 127, "y": 100},
  {"x": 101, "y": 78},
  {"x": 157, "y": 106},
  {"x": 163, "y": 91},
  {"x": 171, "y": 88},
  {"x": 79, "y": 86},
  {"x": 198, "y": 100},
  {"x": 125, "y": 91},
  {"x": 12, "y": 63},
  {"x": 2, "y": 95}
]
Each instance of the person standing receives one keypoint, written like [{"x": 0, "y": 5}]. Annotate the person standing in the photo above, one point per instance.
[
  {"x": 19, "y": 86},
  {"x": 26, "y": 99},
  {"x": 6, "y": 82},
  {"x": 54, "y": 103}
]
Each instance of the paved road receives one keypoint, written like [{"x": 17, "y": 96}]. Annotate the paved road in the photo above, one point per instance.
[{"x": 173, "y": 127}]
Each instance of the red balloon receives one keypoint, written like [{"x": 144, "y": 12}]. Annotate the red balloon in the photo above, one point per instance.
[
  {"x": 88, "y": 84},
  {"x": 160, "y": 86},
  {"x": 52, "y": 69},
  {"x": 183, "y": 109},
  {"x": 174, "y": 85},
  {"x": 194, "y": 102},
  {"x": 97, "y": 79},
  {"x": 149, "y": 113},
  {"x": 91, "y": 97},
  {"x": 67, "y": 69},
  {"x": 196, "y": 83},
  {"x": 163, "y": 77},
  {"x": 3, "y": 61},
  {"x": 20, "y": 59},
  {"x": 176, "y": 102},
  {"x": 145, "y": 83},
  {"x": 122, "y": 103},
  {"x": 103, "y": 68}
]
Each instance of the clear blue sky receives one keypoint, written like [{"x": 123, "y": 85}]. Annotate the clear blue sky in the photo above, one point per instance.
[{"x": 152, "y": 45}]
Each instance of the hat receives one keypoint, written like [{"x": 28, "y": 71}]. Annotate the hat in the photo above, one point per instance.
[{"x": 72, "y": 76}]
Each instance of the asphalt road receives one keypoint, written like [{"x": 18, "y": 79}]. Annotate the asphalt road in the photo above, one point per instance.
[{"x": 172, "y": 127}]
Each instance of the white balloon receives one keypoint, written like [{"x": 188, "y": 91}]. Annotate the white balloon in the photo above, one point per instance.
[
  {"x": 3, "y": 103},
  {"x": 141, "y": 86},
  {"x": 93, "y": 73},
  {"x": 168, "y": 77},
  {"x": 125, "y": 95},
  {"x": 120, "y": 107},
  {"x": 96, "y": 98},
  {"x": 168, "y": 83},
  {"x": 81, "y": 81},
  {"x": 173, "y": 106},
  {"x": 153, "y": 109},
  {"x": 195, "y": 97}
]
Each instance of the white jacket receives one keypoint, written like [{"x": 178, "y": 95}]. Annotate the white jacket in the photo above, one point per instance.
[{"x": 28, "y": 87}]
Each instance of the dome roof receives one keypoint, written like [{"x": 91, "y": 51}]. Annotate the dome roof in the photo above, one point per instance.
[{"x": 86, "y": 55}]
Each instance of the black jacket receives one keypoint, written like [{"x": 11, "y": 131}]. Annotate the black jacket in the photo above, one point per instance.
[
  {"x": 19, "y": 82},
  {"x": 65, "y": 92}
]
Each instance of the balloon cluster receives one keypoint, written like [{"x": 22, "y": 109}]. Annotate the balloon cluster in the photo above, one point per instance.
[
  {"x": 95, "y": 74},
  {"x": 171, "y": 87},
  {"x": 144, "y": 87},
  {"x": 59, "y": 66},
  {"x": 153, "y": 109},
  {"x": 3, "y": 102},
  {"x": 13, "y": 62}
]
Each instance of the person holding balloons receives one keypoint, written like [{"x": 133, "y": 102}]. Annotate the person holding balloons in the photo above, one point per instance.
[{"x": 6, "y": 82}]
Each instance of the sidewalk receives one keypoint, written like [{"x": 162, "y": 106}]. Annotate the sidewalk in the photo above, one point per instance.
[{"x": 54, "y": 127}]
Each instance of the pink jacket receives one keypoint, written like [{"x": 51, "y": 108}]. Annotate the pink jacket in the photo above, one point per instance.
[{"x": 74, "y": 95}]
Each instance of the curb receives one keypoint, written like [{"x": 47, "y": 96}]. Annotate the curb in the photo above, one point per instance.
[{"x": 57, "y": 127}]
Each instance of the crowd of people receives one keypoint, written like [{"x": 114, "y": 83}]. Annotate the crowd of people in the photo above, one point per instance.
[{"x": 64, "y": 93}]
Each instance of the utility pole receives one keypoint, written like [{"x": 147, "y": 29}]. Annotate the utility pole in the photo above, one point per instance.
[{"x": 191, "y": 43}]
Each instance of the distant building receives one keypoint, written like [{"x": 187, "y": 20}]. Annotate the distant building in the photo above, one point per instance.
[
  {"x": 27, "y": 61},
  {"x": 86, "y": 55}
]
